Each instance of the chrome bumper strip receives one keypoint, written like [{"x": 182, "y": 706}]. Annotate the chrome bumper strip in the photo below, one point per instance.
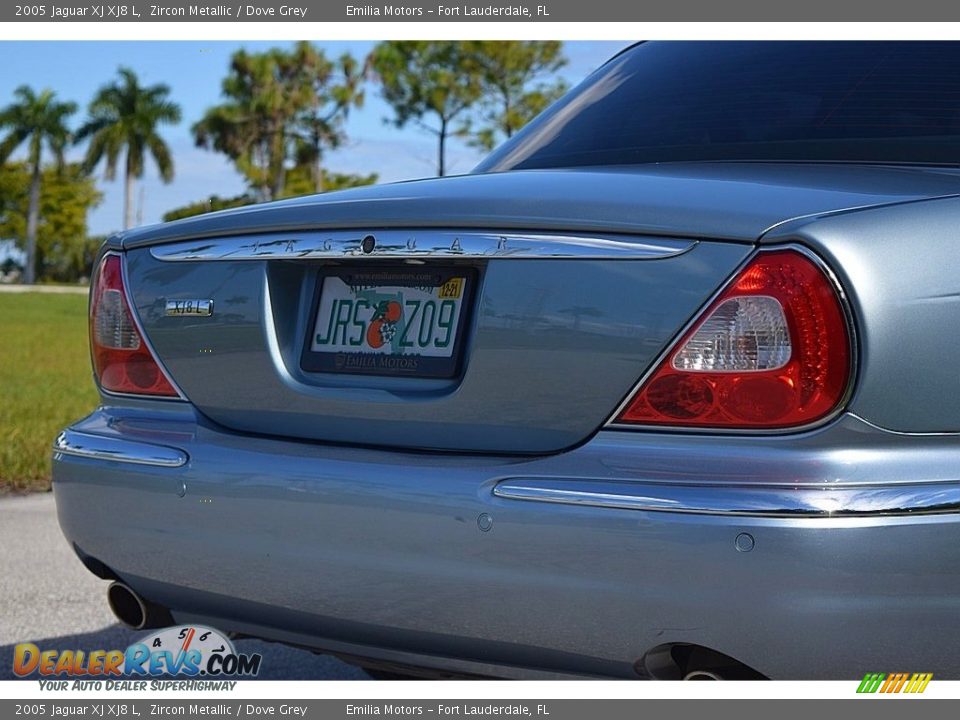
[
  {"x": 826, "y": 501},
  {"x": 414, "y": 245},
  {"x": 100, "y": 447}
]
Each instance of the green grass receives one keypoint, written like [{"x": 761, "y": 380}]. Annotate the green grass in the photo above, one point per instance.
[{"x": 45, "y": 381}]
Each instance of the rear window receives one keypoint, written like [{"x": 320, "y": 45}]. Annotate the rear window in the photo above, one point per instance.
[{"x": 878, "y": 102}]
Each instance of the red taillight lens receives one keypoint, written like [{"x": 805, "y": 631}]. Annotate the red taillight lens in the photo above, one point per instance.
[
  {"x": 121, "y": 359},
  {"x": 772, "y": 351}
]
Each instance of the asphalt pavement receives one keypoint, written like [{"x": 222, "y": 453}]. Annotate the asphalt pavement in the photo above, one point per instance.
[{"x": 48, "y": 598}]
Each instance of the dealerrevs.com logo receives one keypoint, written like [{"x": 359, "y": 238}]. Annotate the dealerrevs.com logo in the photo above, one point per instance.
[
  {"x": 894, "y": 682},
  {"x": 185, "y": 650}
]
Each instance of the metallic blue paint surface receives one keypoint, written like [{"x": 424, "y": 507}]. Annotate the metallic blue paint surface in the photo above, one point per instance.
[
  {"x": 276, "y": 527},
  {"x": 900, "y": 267},
  {"x": 729, "y": 201},
  {"x": 553, "y": 347},
  {"x": 379, "y": 554}
]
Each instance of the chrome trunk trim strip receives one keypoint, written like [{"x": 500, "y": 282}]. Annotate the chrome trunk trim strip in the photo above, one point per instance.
[
  {"x": 100, "y": 447},
  {"x": 413, "y": 245},
  {"x": 827, "y": 501}
]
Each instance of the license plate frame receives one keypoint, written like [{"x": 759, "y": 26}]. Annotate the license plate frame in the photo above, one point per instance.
[{"x": 384, "y": 363}]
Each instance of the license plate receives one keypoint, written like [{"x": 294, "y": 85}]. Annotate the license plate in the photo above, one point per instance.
[{"x": 403, "y": 322}]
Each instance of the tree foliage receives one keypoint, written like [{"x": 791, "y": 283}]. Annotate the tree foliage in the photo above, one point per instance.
[
  {"x": 426, "y": 81},
  {"x": 39, "y": 120},
  {"x": 334, "y": 88},
  {"x": 282, "y": 108},
  {"x": 518, "y": 82},
  {"x": 299, "y": 181},
  {"x": 63, "y": 250},
  {"x": 211, "y": 204},
  {"x": 125, "y": 116},
  {"x": 302, "y": 180}
]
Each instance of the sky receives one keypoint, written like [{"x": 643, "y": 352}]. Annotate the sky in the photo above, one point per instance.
[{"x": 194, "y": 71}]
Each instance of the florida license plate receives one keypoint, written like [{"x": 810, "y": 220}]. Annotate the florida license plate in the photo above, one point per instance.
[{"x": 398, "y": 322}]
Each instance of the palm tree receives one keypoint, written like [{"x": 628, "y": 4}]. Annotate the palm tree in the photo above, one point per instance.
[
  {"x": 125, "y": 116},
  {"x": 37, "y": 119}
]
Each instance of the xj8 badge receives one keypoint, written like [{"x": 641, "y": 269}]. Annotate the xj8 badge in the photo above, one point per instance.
[{"x": 191, "y": 308}]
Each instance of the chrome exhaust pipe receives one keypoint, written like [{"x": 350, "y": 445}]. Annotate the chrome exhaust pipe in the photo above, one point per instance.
[
  {"x": 134, "y": 611},
  {"x": 701, "y": 675}
]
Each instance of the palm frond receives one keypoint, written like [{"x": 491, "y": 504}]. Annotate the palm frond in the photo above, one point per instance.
[
  {"x": 161, "y": 156},
  {"x": 124, "y": 116}
]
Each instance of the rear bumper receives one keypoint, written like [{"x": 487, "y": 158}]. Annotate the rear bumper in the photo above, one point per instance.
[{"x": 829, "y": 554}]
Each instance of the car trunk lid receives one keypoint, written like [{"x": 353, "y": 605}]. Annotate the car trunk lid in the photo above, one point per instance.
[
  {"x": 718, "y": 201},
  {"x": 558, "y": 315}
]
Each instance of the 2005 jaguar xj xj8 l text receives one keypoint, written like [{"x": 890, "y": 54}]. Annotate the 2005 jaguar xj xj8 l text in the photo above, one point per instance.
[{"x": 668, "y": 385}]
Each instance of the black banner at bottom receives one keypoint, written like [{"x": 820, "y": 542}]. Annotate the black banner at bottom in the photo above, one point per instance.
[{"x": 875, "y": 708}]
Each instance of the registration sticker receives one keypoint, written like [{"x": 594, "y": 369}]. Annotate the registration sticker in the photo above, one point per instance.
[{"x": 452, "y": 288}]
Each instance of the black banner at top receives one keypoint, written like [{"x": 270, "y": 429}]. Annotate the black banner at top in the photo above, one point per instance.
[{"x": 296, "y": 11}]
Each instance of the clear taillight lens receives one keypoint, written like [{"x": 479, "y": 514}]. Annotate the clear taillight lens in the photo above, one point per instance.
[
  {"x": 743, "y": 334},
  {"x": 121, "y": 359},
  {"x": 773, "y": 351},
  {"x": 113, "y": 327}
]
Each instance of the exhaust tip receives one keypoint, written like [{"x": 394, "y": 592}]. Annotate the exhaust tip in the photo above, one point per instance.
[
  {"x": 134, "y": 611},
  {"x": 685, "y": 661},
  {"x": 127, "y": 605},
  {"x": 702, "y": 675}
]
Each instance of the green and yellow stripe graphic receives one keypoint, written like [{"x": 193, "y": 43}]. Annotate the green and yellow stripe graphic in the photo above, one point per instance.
[{"x": 894, "y": 682}]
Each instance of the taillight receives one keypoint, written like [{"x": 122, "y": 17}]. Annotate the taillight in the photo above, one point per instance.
[
  {"x": 121, "y": 359},
  {"x": 772, "y": 351}
]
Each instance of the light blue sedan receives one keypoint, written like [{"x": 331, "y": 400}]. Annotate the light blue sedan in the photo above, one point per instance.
[{"x": 667, "y": 387}]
